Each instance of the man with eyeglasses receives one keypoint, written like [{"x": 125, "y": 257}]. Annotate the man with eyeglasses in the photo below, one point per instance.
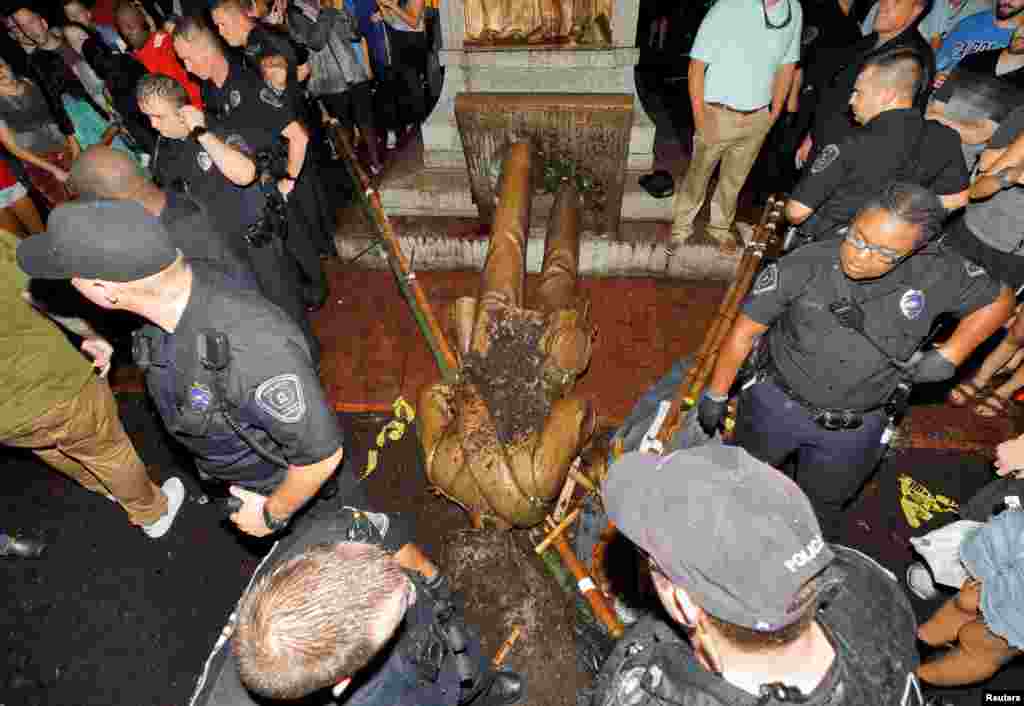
[
  {"x": 895, "y": 142},
  {"x": 741, "y": 69},
  {"x": 842, "y": 327}
]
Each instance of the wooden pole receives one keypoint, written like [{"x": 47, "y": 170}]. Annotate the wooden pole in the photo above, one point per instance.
[
  {"x": 585, "y": 584},
  {"x": 407, "y": 282}
]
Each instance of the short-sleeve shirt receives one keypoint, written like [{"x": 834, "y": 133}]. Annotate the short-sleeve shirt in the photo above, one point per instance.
[
  {"x": 245, "y": 105},
  {"x": 40, "y": 367},
  {"x": 272, "y": 387},
  {"x": 184, "y": 166},
  {"x": 998, "y": 221},
  {"x": 742, "y": 53},
  {"x": 971, "y": 35},
  {"x": 159, "y": 57},
  {"x": 837, "y": 368},
  {"x": 898, "y": 145}
]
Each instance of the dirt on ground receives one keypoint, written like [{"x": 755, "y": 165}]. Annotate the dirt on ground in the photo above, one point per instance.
[{"x": 501, "y": 580}]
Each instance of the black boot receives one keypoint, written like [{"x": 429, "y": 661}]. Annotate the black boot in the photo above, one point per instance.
[
  {"x": 23, "y": 547},
  {"x": 506, "y": 688}
]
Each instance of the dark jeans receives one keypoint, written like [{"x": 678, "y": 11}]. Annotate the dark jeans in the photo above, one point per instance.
[{"x": 830, "y": 466}]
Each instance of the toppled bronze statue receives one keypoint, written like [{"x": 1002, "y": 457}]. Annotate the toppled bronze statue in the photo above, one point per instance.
[{"x": 499, "y": 441}]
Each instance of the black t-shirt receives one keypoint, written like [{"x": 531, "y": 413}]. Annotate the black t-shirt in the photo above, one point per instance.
[
  {"x": 832, "y": 77},
  {"x": 184, "y": 166},
  {"x": 976, "y": 91},
  {"x": 273, "y": 389},
  {"x": 835, "y": 367},
  {"x": 826, "y": 27},
  {"x": 898, "y": 145},
  {"x": 863, "y": 612},
  {"x": 248, "y": 107}
]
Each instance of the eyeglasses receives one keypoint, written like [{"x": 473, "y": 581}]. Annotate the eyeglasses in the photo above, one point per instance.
[
  {"x": 887, "y": 255},
  {"x": 785, "y": 22}
]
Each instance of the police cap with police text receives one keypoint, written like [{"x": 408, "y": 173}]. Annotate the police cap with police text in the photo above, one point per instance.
[
  {"x": 739, "y": 536},
  {"x": 116, "y": 241}
]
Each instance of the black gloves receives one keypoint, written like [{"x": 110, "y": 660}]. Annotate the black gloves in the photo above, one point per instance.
[
  {"x": 711, "y": 411},
  {"x": 931, "y": 367}
]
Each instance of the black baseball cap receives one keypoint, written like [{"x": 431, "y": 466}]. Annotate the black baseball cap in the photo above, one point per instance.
[
  {"x": 117, "y": 241},
  {"x": 739, "y": 536}
]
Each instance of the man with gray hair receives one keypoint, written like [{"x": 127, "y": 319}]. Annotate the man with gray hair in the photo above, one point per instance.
[
  {"x": 774, "y": 614},
  {"x": 843, "y": 330}
]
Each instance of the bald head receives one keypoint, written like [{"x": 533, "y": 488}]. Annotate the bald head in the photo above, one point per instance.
[{"x": 106, "y": 173}]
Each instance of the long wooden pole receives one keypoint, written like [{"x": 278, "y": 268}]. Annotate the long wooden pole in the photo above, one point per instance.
[{"x": 407, "y": 282}]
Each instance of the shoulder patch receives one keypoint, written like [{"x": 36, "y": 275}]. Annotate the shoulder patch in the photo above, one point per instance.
[
  {"x": 828, "y": 154},
  {"x": 973, "y": 270},
  {"x": 235, "y": 98},
  {"x": 767, "y": 281},
  {"x": 282, "y": 398},
  {"x": 271, "y": 98},
  {"x": 204, "y": 160}
]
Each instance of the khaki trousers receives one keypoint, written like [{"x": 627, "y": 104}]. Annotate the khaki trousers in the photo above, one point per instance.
[
  {"x": 83, "y": 438},
  {"x": 733, "y": 140}
]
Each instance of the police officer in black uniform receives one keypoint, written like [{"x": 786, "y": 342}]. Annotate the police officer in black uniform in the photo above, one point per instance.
[
  {"x": 841, "y": 325},
  {"x": 829, "y": 81},
  {"x": 105, "y": 173},
  {"x": 356, "y": 563},
  {"x": 774, "y": 614},
  {"x": 230, "y": 374},
  {"x": 895, "y": 144},
  {"x": 210, "y": 166},
  {"x": 239, "y": 101}
]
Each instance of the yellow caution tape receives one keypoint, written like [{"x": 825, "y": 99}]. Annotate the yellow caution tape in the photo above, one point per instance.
[{"x": 394, "y": 430}]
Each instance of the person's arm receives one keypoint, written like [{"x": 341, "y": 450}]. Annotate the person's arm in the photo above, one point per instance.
[
  {"x": 972, "y": 132},
  {"x": 298, "y": 141},
  {"x": 412, "y": 558},
  {"x": 232, "y": 163},
  {"x": 300, "y": 484},
  {"x": 366, "y": 57},
  {"x": 793, "y": 100},
  {"x": 695, "y": 82},
  {"x": 781, "y": 84},
  {"x": 93, "y": 345},
  {"x": 8, "y": 142},
  {"x": 411, "y": 14},
  {"x": 796, "y": 212},
  {"x": 952, "y": 202},
  {"x": 1009, "y": 162},
  {"x": 733, "y": 352},
  {"x": 976, "y": 327}
]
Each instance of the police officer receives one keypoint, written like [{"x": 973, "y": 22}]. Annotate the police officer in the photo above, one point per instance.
[
  {"x": 239, "y": 101},
  {"x": 230, "y": 374},
  {"x": 210, "y": 166},
  {"x": 773, "y": 613},
  {"x": 343, "y": 585},
  {"x": 105, "y": 173},
  {"x": 895, "y": 144},
  {"x": 842, "y": 323},
  {"x": 256, "y": 39}
]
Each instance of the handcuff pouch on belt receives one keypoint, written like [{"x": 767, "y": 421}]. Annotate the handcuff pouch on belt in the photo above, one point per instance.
[{"x": 427, "y": 646}]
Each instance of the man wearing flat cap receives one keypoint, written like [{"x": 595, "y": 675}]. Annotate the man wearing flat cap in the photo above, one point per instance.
[
  {"x": 773, "y": 613},
  {"x": 230, "y": 373}
]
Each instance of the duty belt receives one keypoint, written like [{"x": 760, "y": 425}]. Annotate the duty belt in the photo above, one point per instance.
[{"x": 831, "y": 419}]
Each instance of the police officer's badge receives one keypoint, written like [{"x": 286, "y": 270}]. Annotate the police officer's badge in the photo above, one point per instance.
[
  {"x": 271, "y": 98},
  {"x": 828, "y": 154},
  {"x": 973, "y": 270},
  {"x": 912, "y": 303},
  {"x": 204, "y": 160},
  {"x": 281, "y": 397},
  {"x": 235, "y": 98},
  {"x": 767, "y": 281}
]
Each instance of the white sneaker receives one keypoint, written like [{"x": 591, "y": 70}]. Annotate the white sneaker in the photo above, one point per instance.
[
  {"x": 174, "y": 489},
  {"x": 920, "y": 582},
  {"x": 392, "y": 139}
]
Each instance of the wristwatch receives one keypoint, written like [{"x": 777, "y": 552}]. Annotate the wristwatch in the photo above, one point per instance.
[
  {"x": 197, "y": 132},
  {"x": 273, "y": 524}
]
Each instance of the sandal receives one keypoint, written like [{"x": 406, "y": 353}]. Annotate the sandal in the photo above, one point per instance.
[
  {"x": 963, "y": 393},
  {"x": 992, "y": 406}
]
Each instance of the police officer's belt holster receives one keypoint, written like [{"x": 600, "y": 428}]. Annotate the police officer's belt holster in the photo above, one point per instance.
[{"x": 429, "y": 645}]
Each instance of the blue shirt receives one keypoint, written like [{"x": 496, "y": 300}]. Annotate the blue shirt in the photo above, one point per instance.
[
  {"x": 374, "y": 32},
  {"x": 973, "y": 34}
]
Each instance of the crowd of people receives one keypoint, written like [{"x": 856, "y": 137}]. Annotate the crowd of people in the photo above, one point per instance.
[{"x": 173, "y": 147}]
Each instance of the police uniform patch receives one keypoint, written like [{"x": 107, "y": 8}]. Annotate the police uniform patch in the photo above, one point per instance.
[
  {"x": 199, "y": 396},
  {"x": 235, "y": 98},
  {"x": 281, "y": 397},
  {"x": 204, "y": 160},
  {"x": 767, "y": 281},
  {"x": 912, "y": 303},
  {"x": 828, "y": 154},
  {"x": 271, "y": 98},
  {"x": 973, "y": 270}
]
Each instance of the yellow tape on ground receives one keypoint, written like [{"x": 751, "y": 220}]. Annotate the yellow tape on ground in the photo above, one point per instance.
[{"x": 394, "y": 430}]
